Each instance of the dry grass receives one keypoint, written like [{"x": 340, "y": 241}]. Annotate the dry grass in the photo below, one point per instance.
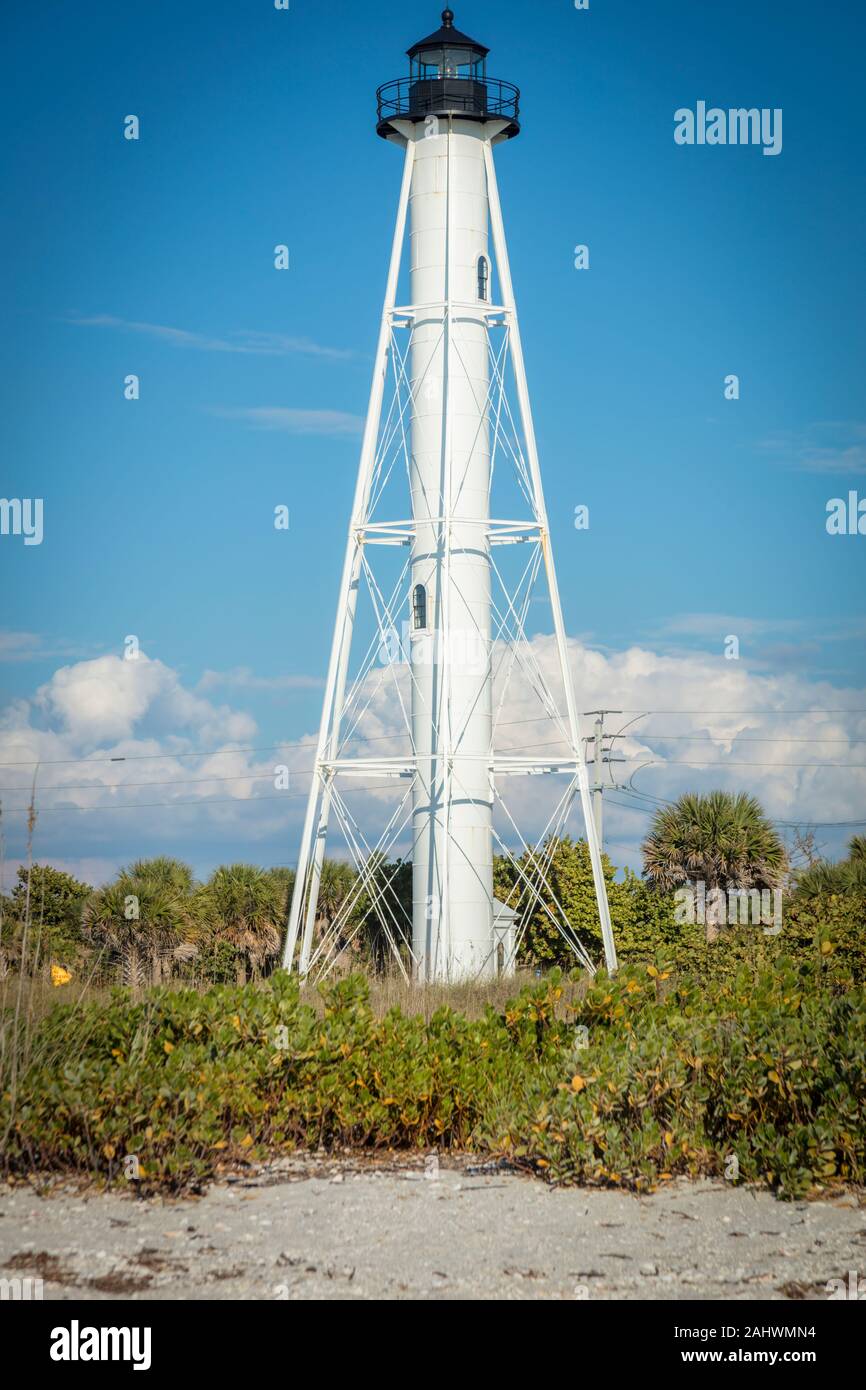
[
  {"x": 35, "y": 995},
  {"x": 38, "y": 996},
  {"x": 470, "y": 998}
]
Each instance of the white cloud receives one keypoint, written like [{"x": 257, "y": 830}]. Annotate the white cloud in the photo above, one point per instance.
[
  {"x": 242, "y": 678},
  {"x": 718, "y": 625},
  {"x": 713, "y": 723},
  {"x": 248, "y": 342},
  {"x": 334, "y": 423},
  {"x": 31, "y": 646},
  {"x": 105, "y": 699},
  {"x": 828, "y": 446},
  {"x": 128, "y": 761},
  {"x": 19, "y": 646}
]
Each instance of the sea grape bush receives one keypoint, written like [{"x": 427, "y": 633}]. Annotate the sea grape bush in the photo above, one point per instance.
[
  {"x": 673, "y": 1075},
  {"x": 766, "y": 1068}
]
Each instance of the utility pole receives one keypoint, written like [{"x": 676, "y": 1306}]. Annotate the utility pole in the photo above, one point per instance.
[{"x": 601, "y": 758}]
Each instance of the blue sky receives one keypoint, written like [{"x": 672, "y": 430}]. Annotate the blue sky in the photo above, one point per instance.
[{"x": 155, "y": 257}]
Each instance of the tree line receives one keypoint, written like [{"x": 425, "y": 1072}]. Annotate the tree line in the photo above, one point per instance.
[{"x": 154, "y": 922}]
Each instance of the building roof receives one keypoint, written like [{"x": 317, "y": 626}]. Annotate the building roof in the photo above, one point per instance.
[{"x": 447, "y": 35}]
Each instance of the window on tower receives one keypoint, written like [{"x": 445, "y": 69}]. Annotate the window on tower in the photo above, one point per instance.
[
  {"x": 419, "y": 607},
  {"x": 483, "y": 278}
]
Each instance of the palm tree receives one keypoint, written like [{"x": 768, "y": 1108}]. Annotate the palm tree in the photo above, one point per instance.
[
  {"x": 337, "y": 880},
  {"x": 848, "y": 876},
  {"x": 284, "y": 878},
  {"x": 724, "y": 840},
  {"x": 140, "y": 919},
  {"x": 335, "y": 885},
  {"x": 170, "y": 873},
  {"x": 857, "y": 849},
  {"x": 245, "y": 906},
  {"x": 820, "y": 878},
  {"x": 176, "y": 879},
  {"x": 383, "y": 911}
]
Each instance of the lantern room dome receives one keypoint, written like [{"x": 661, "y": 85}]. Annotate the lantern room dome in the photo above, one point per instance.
[
  {"x": 448, "y": 77},
  {"x": 448, "y": 37}
]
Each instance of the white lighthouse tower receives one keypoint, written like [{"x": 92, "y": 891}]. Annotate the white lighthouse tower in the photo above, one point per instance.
[{"x": 446, "y": 656}]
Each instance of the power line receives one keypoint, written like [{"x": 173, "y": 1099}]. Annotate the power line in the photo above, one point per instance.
[
  {"x": 226, "y": 752},
  {"x": 717, "y": 762},
  {"x": 169, "y": 782},
  {"x": 382, "y": 738},
  {"x": 819, "y": 824},
  {"x": 627, "y": 806},
  {"x": 764, "y": 712},
  {"x": 302, "y": 772},
  {"x": 786, "y": 824},
  {"x": 199, "y": 801},
  {"x": 738, "y": 738},
  {"x": 151, "y": 757},
  {"x": 686, "y": 762}
]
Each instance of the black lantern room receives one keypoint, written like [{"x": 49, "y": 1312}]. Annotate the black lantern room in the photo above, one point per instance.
[
  {"x": 448, "y": 54},
  {"x": 448, "y": 77}
]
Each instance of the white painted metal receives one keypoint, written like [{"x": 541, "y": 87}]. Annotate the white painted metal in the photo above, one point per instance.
[
  {"x": 504, "y": 269},
  {"x": 450, "y": 485},
  {"x": 337, "y": 667},
  {"x": 449, "y": 414}
]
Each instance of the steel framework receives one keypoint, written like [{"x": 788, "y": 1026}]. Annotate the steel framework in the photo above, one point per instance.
[{"x": 379, "y": 692}]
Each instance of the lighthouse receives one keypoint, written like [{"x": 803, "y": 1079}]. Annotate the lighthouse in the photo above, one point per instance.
[{"x": 450, "y": 404}]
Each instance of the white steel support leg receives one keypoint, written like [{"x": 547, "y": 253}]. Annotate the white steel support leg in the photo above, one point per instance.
[
  {"x": 311, "y": 854},
  {"x": 503, "y": 266}
]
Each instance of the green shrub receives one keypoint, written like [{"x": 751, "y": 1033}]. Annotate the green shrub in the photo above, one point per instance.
[
  {"x": 50, "y": 910},
  {"x": 632, "y": 1082},
  {"x": 643, "y": 918},
  {"x": 759, "y": 1075}
]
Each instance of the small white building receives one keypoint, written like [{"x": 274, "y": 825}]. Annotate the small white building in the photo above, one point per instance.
[{"x": 504, "y": 939}]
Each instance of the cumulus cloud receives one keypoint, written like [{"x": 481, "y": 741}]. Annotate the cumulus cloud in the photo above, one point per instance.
[
  {"x": 106, "y": 699},
  {"x": 133, "y": 761},
  {"x": 690, "y": 722},
  {"x": 128, "y": 759}
]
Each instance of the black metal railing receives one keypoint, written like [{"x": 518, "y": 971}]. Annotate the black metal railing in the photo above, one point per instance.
[{"x": 414, "y": 97}]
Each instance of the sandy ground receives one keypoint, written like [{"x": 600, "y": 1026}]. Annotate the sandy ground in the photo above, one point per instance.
[{"x": 311, "y": 1229}]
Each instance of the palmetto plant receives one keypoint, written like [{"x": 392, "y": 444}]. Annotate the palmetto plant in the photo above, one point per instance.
[
  {"x": 284, "y": 879},
  {"x": 849, "y": 876},
  {"x": 141, "y": 918},
  {"x": 244, "y": 906},
  {"x": 171, "y": 874},
  {"x": 384, "y": 912},
  {"x": 723, "y": 839},
  {"x": 336, "y": 883}
]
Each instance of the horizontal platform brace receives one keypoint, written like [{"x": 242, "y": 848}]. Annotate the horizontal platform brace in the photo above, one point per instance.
[
  {"x": 404, "y": 532},
  {"x": 410, "y": 311},
  {"x": 366, "y": 770},
  {"x": 406, "y": 766},
  {"x": 525, "y": 524},
  {"x": 533, "y": 770}
]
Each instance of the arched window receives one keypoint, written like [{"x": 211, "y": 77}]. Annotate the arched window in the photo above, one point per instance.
[
  {"x": 483, "y": 278},
  {"x": 419, "y": 607}
]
